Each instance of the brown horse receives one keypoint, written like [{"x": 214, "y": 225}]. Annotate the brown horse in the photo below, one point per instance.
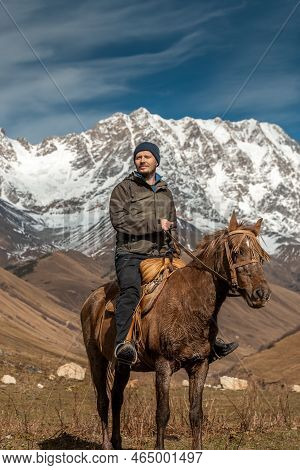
[{"x": 180, "y": 328}]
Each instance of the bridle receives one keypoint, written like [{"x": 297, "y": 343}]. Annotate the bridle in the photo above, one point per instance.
[
  {"x": 233, "y": 265},
  {"x": 233, "y": 282}
]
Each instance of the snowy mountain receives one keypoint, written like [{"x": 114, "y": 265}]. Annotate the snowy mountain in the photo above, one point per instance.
[
  {"x": 21, "y": 233},
  {"x": 59, "y": 189}
]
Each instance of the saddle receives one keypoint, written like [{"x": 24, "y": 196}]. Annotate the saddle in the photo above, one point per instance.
[{"x": 154, "y": 273}]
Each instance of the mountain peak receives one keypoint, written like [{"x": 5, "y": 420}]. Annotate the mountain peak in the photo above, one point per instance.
[
  {"x": 140, "y": 111},
  {"x": 211, "y": 165}
]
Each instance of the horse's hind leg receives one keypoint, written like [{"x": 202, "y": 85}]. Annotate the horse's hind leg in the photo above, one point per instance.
[
  {"x": 99, "y": 365},
  {"x": 122, "y": 374},
  {"x": 163, "y": 378}
]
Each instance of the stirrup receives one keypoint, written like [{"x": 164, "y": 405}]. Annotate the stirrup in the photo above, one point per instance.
[{"x": 130, "y": 350}]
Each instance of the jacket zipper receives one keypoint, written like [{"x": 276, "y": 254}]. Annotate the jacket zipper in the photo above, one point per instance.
[{"x": 154, "y": 192}]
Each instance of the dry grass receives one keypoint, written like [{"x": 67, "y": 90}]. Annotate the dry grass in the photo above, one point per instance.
[
  {"x": 63, "y": 415},
  {"x": 231, "y": 418}
]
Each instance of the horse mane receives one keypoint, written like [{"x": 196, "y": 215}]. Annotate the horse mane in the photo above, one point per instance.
[{"x": 211, "y": 247}]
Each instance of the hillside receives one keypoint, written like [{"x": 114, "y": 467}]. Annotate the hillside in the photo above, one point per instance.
[
  {"x": 69, "y": 276},
  {"x": 279, "y": 363},
  {"x": 33, "y": 323},
  {"x": 256, "y": 329}
]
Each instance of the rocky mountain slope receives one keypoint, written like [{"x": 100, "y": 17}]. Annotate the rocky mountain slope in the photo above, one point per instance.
[{"x": 58, "y": 190}]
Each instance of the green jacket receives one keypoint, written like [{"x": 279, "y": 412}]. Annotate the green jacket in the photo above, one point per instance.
[{"x": 135, "y": 209}]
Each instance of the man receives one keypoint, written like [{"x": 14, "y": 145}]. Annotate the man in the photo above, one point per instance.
[{"x": 141, "y": 210}]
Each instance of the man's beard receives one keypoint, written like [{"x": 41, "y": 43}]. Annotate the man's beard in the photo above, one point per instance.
[{"x": 147, "y": 171}]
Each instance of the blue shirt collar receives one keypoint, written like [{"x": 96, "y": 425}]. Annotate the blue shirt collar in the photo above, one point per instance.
[{"x": 157, "y": 176}]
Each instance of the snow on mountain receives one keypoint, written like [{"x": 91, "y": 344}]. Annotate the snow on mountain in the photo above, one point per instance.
[
  {"x": 212, "y": 167},
  {"x": 21, "y": 235}
]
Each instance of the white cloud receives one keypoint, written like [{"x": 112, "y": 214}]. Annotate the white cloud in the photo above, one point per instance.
[
  {"x": 27, "y": 92},
  {"x": 65, "y": 38}
]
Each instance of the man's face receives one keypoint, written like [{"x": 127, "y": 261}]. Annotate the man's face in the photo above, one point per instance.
[{"x": 145, "y": 163}]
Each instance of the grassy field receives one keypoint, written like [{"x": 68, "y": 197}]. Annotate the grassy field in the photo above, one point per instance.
[{"x": 63, "y": 415}]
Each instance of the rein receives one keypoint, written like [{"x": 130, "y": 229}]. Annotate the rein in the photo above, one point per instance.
[
  {"x": 212, "y": 271},
  {"x": 233, "y": 283}
]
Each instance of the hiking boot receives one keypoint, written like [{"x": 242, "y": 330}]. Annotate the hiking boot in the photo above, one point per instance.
[
  {"x": 126, "y": 353},
  {"x": 221, "y": 349}
]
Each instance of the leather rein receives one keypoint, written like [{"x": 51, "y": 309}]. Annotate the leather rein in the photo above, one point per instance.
[{"x": 233, "y": 283}]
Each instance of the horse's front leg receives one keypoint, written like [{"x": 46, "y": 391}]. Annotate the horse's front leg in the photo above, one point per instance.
[
  {"x": 197, "y": 375},
  {"x": 122, "y": 374},
  {"x": 163, "y": 378}
]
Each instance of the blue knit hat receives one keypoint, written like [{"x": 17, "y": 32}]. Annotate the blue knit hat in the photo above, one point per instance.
[{"x": 150, "y": 147}]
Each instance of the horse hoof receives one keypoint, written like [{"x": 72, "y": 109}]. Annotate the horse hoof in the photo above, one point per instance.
[
  {"x": 116, "y": 445},
  {"x": 107, "y": 446}
]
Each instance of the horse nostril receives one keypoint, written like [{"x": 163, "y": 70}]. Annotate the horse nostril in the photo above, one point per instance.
[
  {"x": 261, "y": 293},
  {"x": 257, "y": 293}
]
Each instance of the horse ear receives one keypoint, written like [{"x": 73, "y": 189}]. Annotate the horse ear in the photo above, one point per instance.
[
  {"x": 257, "y": 226},
  {"x": 233, "y": 224}
]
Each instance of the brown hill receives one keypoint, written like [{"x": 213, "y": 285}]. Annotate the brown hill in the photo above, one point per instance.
[
  {"x": 255, "y": 329},
  {"x": 68, "y": 275},
  {"x": 32, "y": 322},
  {"x": 279, "y": 363},
  {"x": 285, "y": 272}
]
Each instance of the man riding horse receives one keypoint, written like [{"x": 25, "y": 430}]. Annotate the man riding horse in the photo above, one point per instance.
[{"x": 142, "y": 211}]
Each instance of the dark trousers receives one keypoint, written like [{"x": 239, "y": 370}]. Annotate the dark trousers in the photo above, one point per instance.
[{"x": 129, "y": 279}]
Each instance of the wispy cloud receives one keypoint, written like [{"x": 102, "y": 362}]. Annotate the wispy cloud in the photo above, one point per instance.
[
  {"x": 273, "y": 90},
  {"x": 36, "y": 95},
  {"x": 106, "y": 56},
  {"x": 267, "y": 93},
  {"x": 78, "y": 48}
]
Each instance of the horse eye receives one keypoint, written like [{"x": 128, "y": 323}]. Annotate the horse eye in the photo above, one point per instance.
[{"x": 234, "y": 256}]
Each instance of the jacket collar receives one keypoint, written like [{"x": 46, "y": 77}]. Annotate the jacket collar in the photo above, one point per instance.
[{"x": 138, "y": 178}]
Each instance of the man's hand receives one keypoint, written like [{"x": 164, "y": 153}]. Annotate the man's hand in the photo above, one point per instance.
[{"x": 166, "y": 224}]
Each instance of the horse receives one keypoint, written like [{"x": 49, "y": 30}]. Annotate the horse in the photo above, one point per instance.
[{"x": 180, "y": 329}]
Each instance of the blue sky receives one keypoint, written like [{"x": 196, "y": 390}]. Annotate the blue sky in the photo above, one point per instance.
[{"x": 175, "y": 58}]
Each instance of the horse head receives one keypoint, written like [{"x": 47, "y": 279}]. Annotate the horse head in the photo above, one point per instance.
[{"x": 244, "y": 258}]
